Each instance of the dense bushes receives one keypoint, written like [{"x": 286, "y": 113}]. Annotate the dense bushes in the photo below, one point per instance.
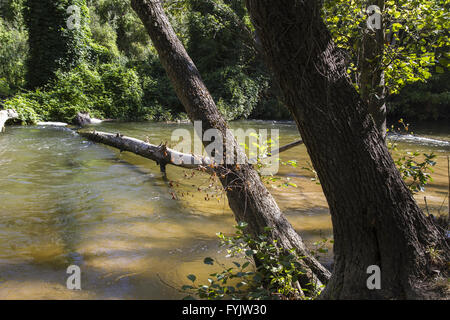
[
  {"x": 110, "y": 92},
  {"x": 222, "y": 46},
  {"x": 53, "y": 45},
  {"x": 109, "y": 68},
  {"x": 236, "y": 93},
  {"x": 13, "y": 52},
  {"x": 26, "y": 106}
]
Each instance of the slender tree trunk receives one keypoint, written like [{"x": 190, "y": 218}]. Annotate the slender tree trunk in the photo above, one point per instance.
[
  {"x": 376, "y": 221},
  {"x": 248, "y": 198},
  {"x": 370, "y": 71}
]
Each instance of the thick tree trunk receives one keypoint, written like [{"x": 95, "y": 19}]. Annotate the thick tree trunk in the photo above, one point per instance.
[
  {"x": 248, "y": 198},
  {"x": 376, "y": 221},
  {"x": 5, "y": 115}
]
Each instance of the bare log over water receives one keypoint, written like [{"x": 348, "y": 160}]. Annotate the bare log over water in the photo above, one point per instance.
[
  {"x": 160, "y": 153},
  {"x": 5, "y": 115}
]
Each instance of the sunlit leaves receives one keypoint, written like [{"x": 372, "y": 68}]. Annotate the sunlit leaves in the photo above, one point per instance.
[
  {"x": 415, "y": 33},
  {"x": 274, "y": 276}
]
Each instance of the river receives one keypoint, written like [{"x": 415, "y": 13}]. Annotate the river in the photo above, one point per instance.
[{"x": 65, "y": 200}]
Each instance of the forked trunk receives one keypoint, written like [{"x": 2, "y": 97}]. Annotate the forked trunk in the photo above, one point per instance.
[
  {"x": 248, "y": 198},
  {"x": 376, "y": 220}
]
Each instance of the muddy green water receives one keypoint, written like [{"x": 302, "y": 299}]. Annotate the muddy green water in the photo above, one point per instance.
[{"x": 64, "y": 200}]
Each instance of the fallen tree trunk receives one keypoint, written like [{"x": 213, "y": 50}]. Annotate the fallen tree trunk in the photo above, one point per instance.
[
  {"x": 160, "y": 153},
  {"x": 5, "y": 115}
]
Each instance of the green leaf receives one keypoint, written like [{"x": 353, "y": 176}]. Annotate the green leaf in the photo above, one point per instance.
[
  {"x": 192, "y": 277},
  {"x": 439, "y": 69},
  {"x": 209, "y": 261},
  {"x": 242, "y": 225}
]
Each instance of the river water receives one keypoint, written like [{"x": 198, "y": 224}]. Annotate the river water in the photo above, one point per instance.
[{"x": 65, "y": 201}]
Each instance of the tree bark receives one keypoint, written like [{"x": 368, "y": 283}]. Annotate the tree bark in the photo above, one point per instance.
[
  {"x": 5, "y": 115},
  {"x": 248, "y": 198},
  {"x": 376, "y": 220}
]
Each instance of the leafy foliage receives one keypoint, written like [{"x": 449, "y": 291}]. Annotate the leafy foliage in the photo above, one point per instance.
[
  {"x": 222, "y": 46},
  {"x": 111, "y": 91},
  {"x": 274, "y": 277},
  {"x": 25, "y": 107},
  {"x": 52, "y": 44},
  {"x": 13, "y": 49},
  {"x": 37, "y": 46},
  {"x": 418, "y": 172},
  {"x": 416, "y": 36},
  {"x": 414, "y": 171}
]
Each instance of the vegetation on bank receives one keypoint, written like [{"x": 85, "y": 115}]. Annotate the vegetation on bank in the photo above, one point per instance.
[
  {"x": 109, "y": 67},
  {"x": 275, "y": 277}
]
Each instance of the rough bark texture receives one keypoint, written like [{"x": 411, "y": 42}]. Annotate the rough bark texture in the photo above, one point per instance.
[
  {"x": 5, "y": 115},
  {"x": 376, "y": 221},
  {"x": 248, "y": 198}
]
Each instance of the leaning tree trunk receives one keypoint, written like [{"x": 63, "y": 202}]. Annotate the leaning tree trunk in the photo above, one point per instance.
[
  {"x": 248, "y": 198},
  {"x": 376, "y": 220}
]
